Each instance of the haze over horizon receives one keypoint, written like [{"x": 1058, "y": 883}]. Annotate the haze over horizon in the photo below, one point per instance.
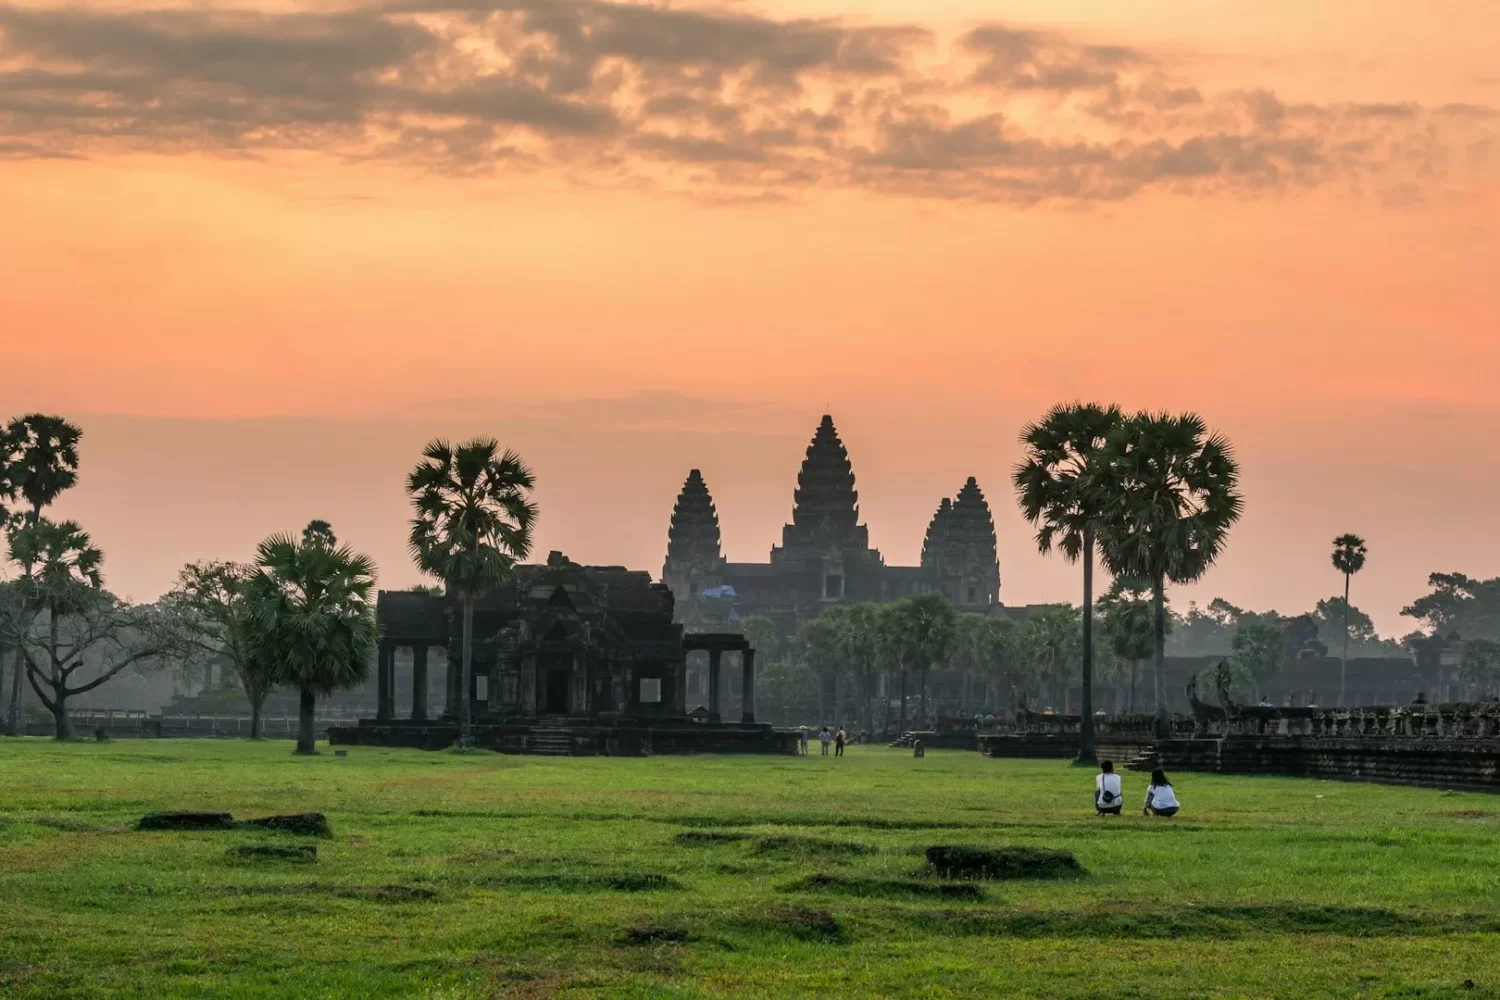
[{"x": 263, "y": 252}]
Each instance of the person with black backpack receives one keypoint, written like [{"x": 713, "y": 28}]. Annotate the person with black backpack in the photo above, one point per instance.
[{"x": 1108, "y": 794}]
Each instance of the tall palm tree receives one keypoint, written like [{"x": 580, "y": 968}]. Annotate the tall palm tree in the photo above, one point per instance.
[
  {"x": 1348, "y": 558},
  {"x": 473, "y": 523},
  {"x": 1172, "y": 494},
  {"x": 311, "y": 622},
  {"x": 1057, "y": 486},
  {"x": 40, "y": 457}
]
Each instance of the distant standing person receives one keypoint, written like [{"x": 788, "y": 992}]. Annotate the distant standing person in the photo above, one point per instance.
[
  {"x": 838, "y": 742},
  {"x": 1108, "y": 795},
  {"x": 802, "y": 739},
  {"x": 1160, "y": 799},
  {"x": 824, "y": 737}
]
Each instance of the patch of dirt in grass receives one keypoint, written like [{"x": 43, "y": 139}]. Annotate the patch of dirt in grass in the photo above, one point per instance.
[
  {"x": 885, "y": 888},
  {"x": 950, "y": 861},
  {"x": 480, "y": 855},
  {"x": 642, "y": 934},
  {"x": 803, "y": 847},
  {"x": 1465, "y": 814},
  {"x": 376, "y": 893},
  {"x": 1202, "y": 922},
  {"x": 567, "y": 882},
  {"x": 802, "y": 923},
  {"x": 711, "y": 836},
  {"x": 186, "y": 821}
]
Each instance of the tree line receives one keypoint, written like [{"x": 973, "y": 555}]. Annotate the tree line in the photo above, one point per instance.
[{"x": 300, "y": 614}]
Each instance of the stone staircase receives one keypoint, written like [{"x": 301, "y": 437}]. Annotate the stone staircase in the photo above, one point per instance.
[{"x": 550, "y": 738}]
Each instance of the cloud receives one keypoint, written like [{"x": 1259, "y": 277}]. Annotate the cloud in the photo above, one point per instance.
[{"x": 719, "y": 104}]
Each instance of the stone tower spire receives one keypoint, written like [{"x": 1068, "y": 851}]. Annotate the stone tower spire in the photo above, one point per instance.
[
  {"x": 960, "y": 552},
  {"x": 694, "y": 559},
  {"x": 934, "y": 546},
  {"x": 825, "y": 486}
]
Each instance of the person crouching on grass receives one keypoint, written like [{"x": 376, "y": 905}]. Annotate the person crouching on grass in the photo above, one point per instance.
[
  {"x": 1108, "y": 795},
  {"x": 1160, "y": 799}
]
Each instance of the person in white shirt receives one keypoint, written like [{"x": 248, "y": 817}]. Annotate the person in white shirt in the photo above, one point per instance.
[
  {"x": 1160, "y": 799},
  {"x": 1108, "y": 795}
]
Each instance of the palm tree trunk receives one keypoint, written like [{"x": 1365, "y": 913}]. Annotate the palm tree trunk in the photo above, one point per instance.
[
  {"x": 255, "y": 721},
  {"x": 1344, "y": 659},
  {"x": 1086, "y": 751},
  {"x": 1159, "y": 614},
  {"x": 307, "y": 741},
  {"x": 922, "y": 694},
  {"x": 466, "y": 682},
  {"x": 901, "y": 723}
]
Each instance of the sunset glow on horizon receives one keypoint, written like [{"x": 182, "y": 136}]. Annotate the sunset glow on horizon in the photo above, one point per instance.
[{"x": 261, "y": 253}]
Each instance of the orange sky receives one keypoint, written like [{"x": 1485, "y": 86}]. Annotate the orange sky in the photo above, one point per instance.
[{"x": 262, "y": 259}]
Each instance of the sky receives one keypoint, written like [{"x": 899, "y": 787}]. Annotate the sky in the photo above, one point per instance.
[{"x": 261, "y": 253}]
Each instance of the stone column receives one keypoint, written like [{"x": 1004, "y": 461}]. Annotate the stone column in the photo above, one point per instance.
[
  {"x": 747, "y": 685},
  {"x": 419, "y": 683},
  {"x": 679, "y": 686},
  {"x": 454, "y": 681},
  {"x": 713, "y": 681},
  {"x": 385, "y": 672}
]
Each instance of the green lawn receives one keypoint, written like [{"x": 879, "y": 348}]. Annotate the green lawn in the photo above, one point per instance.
[{"x": 479, "y": 875}]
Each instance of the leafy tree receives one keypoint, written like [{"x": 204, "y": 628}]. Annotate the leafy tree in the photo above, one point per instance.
[
  {"x": 1260, "y": 652},
  {"x": 1480, "y": 666},
  {"x": 311, "y": 620},
  {"x": 473, "y": 523},
  {"x": 1348, "y": 558},
  {"x": 1058, "y": 487},
  {"x": 862, "y": 627},
  {"x": 822, "y": 646},
  {"x": 83, "y": 636},
  {"x": 1128, "y": 624},
  {"x": 921, "y": 628},
  {"x": 212, "y": 606},
  {"x": 761, "y": 632},
  {"x": 38, "y": 461},
  {"x": 1049, "y": 642},
  {"x": 1173, "y": 495},
  {"x": 1461, "y": 604}
]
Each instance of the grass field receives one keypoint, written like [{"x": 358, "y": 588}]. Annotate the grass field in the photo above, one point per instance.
[{"x": 477, "y": 875}]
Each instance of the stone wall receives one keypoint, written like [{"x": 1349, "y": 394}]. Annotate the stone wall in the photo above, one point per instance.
[{"x": 1437, "y": 746}]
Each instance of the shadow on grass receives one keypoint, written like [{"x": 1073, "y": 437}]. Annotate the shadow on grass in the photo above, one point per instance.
[
  {"x": 711, "y": 837},
  {"x": 1205, "y": 922},
  {"x": 801, "y": 923}
]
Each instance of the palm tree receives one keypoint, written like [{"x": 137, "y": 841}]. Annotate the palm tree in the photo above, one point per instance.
[
  {"x": 1125, "y": 616},
  {"x": 1348, "y": 559},
  {"x": 473, "y": 523},
  {"x": 1171, "y": 490},
  {"x": 311, "y": 622},
  {"x": 1057, "y": 486},
  {"x": 39, "y": 455},
  {"x": 923, "y": 628}
]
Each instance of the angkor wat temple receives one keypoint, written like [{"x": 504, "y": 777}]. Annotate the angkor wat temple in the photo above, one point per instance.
[{"x": 825, "y": 556}]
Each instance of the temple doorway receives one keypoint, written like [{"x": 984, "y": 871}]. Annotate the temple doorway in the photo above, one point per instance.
[
  {"x": 557, "y": 692},
  {"x": 557, "y": 673}
]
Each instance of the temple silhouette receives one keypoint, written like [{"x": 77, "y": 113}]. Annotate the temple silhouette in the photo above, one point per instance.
[{"x": 825, "y": 556}]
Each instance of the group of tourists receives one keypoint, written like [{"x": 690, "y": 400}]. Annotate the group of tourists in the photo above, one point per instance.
[
  {"x": 839, "y": 740},
  {"x": 1109, "y": 794}
]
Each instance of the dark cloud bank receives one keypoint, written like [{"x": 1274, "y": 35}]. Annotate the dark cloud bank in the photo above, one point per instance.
[{"x": 713, "y": 103}]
